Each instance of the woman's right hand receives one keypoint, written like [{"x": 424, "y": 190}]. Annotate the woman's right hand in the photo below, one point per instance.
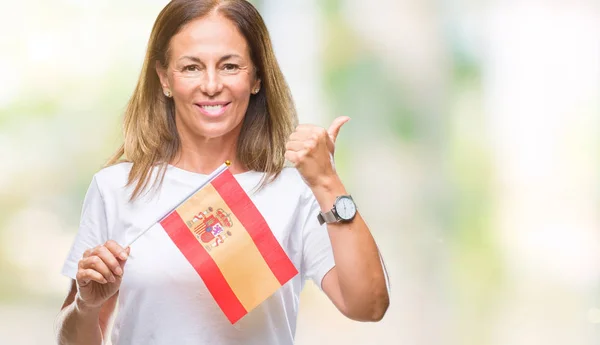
[{"x": 99, "y": 273}]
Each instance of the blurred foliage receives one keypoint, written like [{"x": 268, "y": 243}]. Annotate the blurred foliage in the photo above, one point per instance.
[
  {"x": 476, "y": 267},
  {"x": 358, "y": 83}
]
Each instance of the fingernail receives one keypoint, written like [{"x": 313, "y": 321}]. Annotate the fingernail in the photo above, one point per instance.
[
  {"x": 112, "y": 279},
  {"x": 119, "y": 271},
  {"x": 123, "y": 256}
]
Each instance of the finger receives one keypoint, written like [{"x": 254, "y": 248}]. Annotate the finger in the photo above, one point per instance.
[
  {"x": 95, "y": 263},
  {"x": 315, "y": 133},
  {"x": 334, "y": 129},
  {"x": 126, "y": 252},
  {"x": 87, "y": 253},
  {"x": 85, "y": 276},
  {"x": 330, "y": 145},
  {"x": 109, "y": 259},
  {"x": 296, "y": 145},
  {"x": 300, "y": 136},
  {"x": 305, "y": 127},
  {"x": 294, "y": 156},
  {"x": 117, "y": 250}
]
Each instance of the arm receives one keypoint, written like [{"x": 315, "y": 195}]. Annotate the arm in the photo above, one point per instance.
[
  {"x": 86, "y": 312},
  {"x": 357, "y": 284},
  {"x": 81, "y": 324}
]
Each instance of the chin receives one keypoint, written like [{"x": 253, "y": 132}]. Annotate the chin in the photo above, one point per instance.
[{"x": 215, "y": 132}]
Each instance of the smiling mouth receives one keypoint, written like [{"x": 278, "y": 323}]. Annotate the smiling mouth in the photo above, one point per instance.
[{"x": 213, "y": 110}]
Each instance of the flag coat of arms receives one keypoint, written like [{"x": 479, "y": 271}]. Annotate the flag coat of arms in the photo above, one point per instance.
[{"x": 228, "y": 242}]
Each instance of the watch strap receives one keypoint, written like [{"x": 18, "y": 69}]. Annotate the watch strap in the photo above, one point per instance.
[{"x": 327, "y": 217}]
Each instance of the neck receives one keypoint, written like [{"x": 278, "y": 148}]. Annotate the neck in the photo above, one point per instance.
[{"x": 204, "y": 155}]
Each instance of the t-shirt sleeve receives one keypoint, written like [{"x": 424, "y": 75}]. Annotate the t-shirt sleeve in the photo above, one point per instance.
[
  {"x": 92, "y": 229},
  {"x": 317, "y": 254}
]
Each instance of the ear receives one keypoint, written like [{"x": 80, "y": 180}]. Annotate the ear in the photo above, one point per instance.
[
  {"x": 256, "y": 86},
  {"x": 162, "y": 75}
]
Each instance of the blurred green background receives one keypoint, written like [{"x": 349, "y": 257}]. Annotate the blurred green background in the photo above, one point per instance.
[{"x": 473, "y": 153}]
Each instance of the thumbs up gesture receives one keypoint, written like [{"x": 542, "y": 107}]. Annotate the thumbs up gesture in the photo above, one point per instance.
[{"x": 311, "y": 148}]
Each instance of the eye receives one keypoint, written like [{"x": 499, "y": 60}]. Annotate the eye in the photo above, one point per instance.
[
  {"x": 230, "y": 67},
  {"x": 191, "y": 68}
]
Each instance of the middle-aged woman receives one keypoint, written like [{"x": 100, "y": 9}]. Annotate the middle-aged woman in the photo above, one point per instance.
[{"x": 211, "y": 90}]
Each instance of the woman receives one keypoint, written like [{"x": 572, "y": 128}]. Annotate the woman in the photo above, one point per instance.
[{"x": 210, "y": 91}]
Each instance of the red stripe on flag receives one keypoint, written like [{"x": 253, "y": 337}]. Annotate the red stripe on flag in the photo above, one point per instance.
[
  {"x": 240, "y": 204},
  {"x": 205, "y": 266}
]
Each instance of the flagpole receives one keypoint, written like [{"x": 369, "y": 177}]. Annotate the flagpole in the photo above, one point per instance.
[{"x": 209, "y": 179}]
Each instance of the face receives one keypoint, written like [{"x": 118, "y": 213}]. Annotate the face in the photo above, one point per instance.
[{"x": 210, "y": 76}]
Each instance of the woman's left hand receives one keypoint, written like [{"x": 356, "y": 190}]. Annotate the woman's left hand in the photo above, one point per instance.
[{"x": 310, "y": 148}]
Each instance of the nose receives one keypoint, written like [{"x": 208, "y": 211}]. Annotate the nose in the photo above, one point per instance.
[{"x": 211, "y": 83}]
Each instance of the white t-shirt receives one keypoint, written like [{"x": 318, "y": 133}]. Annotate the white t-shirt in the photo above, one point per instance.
[{"x": 162, "y": 299}]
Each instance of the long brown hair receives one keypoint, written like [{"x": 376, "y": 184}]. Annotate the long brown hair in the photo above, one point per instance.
[{"x": 150, "y": 133}]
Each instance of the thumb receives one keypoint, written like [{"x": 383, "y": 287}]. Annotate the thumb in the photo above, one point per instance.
[
  {"x": 121, "y": 261},
  {"x": 334, "y": 129}
]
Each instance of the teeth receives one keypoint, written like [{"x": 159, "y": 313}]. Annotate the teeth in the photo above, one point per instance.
[{"x": 212, "y": 108}]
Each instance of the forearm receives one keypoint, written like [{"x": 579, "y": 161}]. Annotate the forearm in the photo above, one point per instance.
[
  {"x": 78, "y": 325},
  {"x": 358, "y": 265}
]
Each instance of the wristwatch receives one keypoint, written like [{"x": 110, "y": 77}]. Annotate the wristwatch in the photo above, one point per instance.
[{"x": 344, "y": 210}]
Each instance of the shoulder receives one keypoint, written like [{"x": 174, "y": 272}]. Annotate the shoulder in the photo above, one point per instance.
[
  {"x": 113, "y": 177},
  {"x": 290, "y": 181},
  {"x": 119, "y": 171}
]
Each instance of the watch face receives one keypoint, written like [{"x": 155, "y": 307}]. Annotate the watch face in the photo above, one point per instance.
[{"x": 345, "y": 208}]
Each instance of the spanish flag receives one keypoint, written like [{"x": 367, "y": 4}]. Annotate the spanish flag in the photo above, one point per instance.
[{"x": 228, "y": 242}]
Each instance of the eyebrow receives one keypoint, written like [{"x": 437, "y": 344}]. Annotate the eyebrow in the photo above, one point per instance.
[{"x": 197, "y": 60}]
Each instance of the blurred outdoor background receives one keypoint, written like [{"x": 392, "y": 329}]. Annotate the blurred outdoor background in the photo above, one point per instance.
[{"x": 473, "y": 152}]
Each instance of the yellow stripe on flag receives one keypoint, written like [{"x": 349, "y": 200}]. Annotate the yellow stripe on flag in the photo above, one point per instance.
[{"x": 237, "y": 257}]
